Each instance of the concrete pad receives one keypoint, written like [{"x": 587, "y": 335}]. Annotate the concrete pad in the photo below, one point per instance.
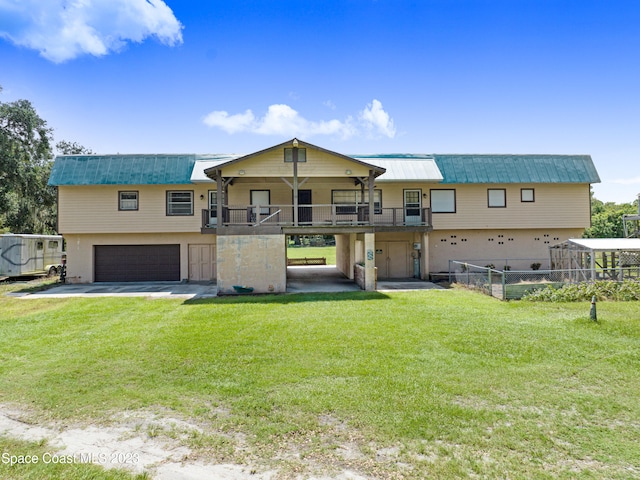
[
  {"x": 302, "y": 279},
  {"x": 134, "y": 289},
  {"x": 407, "y": 284},
  {"x": 327, "y": 278},
  {"x": 320, "y": 278}
]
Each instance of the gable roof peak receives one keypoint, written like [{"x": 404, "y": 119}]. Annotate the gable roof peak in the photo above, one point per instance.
[{"x": 295, "y": 143}]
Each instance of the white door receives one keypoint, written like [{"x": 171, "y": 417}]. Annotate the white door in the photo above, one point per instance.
[
  {"x": 213, "y": 207},
  {"x": 262, "y": 198},
  {"x": 412, "y": 207}
]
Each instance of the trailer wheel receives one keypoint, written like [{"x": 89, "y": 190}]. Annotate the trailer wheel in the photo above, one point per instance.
[{"x": 53, "y": 271}]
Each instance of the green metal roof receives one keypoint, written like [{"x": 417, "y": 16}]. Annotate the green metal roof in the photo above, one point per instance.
[
  {"x": 122, "y": 169},
  {"x": 177, "y": 169},
  {"x": 517, "y": 168}
]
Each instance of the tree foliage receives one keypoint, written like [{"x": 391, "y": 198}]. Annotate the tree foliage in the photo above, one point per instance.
[
  {"x": 27, "y": 204},
  {"x": 72, "y": 148},
  {"x": 606, "y": 219}
]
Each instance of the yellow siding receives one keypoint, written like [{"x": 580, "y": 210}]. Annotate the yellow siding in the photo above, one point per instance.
[
  {"x": 282, "y": 194},
  {"x": 318, "y": 164},
  {"x": 393, "y": 193},
  {"x": 94, "y": 209},
  {"x": 495, "y": 246},
  {"x": 555, "y": 206}
]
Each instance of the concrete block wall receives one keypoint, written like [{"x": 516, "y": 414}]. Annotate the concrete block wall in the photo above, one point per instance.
[{"x": 256, "y": 261}]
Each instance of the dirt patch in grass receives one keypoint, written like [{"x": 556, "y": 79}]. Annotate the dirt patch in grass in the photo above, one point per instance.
[
  {"x": 164, "y": 446},
  {"x": 135, "y": 441}
]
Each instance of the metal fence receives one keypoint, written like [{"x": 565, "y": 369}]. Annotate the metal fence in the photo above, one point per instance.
[
  {"x": 316, "y": 215},
  {"x": 509, "y": 284}
]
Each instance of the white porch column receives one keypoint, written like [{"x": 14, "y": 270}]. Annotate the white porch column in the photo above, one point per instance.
[{"x": 370, "y": 261}]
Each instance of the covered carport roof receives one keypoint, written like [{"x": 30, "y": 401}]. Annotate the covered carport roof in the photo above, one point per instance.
[{"x": 606, "y": 244}]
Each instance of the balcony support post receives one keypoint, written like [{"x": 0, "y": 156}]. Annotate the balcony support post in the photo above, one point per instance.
[
  {"x": 295, "y": 185},
  {"x": 220, "y": 201},
  {"x": 372, "y": 212}
]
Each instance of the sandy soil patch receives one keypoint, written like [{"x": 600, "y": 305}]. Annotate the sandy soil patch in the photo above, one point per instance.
[{"x": 128, "y": 445}]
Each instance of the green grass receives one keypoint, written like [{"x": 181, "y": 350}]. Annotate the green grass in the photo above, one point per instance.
[
  {"x": 313, "y": 252},
  {"x": 47, "y": 464},
  {"x": 445, "y": 384}
]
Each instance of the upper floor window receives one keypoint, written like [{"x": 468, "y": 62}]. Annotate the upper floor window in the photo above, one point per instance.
[
  {"x": 180, "y": 202},
  {"x": 347, "y": 201},
  {"x": 497, "y": 197},
  {"x": 127, "y": 200},
  {"x": 302, "y": 154},
  {"x": 443, "y": 201},
  {"x": 527, "y": 195}
]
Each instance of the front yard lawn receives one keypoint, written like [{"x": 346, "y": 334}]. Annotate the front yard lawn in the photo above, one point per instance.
[
  {"x": 443, "y": 384},
  {"x": 313, "y": 252}
]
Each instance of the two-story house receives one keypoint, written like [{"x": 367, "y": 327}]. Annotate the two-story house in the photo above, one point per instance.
[{"x": 227, "y": 217}]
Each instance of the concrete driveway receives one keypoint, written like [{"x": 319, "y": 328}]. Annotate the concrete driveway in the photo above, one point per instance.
[
  {"x": 134, "y": 289},
  {"x": 299, "y": 280}
]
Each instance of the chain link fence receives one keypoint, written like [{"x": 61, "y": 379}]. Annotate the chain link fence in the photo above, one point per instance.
[{"x": 509, "y": 284}]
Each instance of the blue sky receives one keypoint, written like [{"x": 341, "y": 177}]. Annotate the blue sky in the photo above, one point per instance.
[{"x": 354, "y": 76}]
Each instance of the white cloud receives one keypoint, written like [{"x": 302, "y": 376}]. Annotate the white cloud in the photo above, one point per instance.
[
  {"x": 281, "y": 119},
  {"x": 626, "y": 181},
  {"x": 65, "y": 29},
  {"x": 329, "y": 104},
  {"x": 231, "y": 123},
  {"x": 376, "y": 120}
]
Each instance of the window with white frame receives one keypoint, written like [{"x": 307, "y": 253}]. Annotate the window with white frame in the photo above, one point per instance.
[
  {"x": 347, "y": 201},
  {"x": 527, "y": 195},
  {"x": 497, "y": 197},
  {"x": 302, "y": 155},
  {"x": 213, "y": 205},
  {"x": 180, "y": 202},
  {"x": 128, "y": 200},
  {"x": 443, "y": 201}
]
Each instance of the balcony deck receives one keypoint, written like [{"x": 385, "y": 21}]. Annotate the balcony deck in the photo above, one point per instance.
[{"x": 317, "y": 217}]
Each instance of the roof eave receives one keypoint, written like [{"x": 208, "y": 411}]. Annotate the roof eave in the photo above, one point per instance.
[{"x": 211, "y": 172}]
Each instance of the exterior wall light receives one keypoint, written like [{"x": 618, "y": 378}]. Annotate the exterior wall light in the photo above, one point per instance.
[
  {"x": 347, "y": 172},
  {"x": 241, "y": 172}
]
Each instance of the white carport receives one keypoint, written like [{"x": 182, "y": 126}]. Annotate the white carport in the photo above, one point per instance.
[{"x": 598, "y": 258}]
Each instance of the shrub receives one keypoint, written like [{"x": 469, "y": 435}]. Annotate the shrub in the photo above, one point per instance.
[{"x": 629, "y": 290}]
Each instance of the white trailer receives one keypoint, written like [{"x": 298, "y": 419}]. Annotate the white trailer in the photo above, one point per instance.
[{"x": 26, "y": 255}]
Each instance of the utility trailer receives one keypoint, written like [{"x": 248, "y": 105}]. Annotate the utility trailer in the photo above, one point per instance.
[{"x": 30, "y": 255}]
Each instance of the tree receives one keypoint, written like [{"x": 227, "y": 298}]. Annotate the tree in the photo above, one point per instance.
[
  {"x": 606, "y": 219},
  {"x": 27, "y": 204},
  {"x": 72, "y": 148}
]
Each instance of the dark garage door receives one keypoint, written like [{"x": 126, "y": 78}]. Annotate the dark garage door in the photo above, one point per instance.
[{"x": 137, "y": 263}]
